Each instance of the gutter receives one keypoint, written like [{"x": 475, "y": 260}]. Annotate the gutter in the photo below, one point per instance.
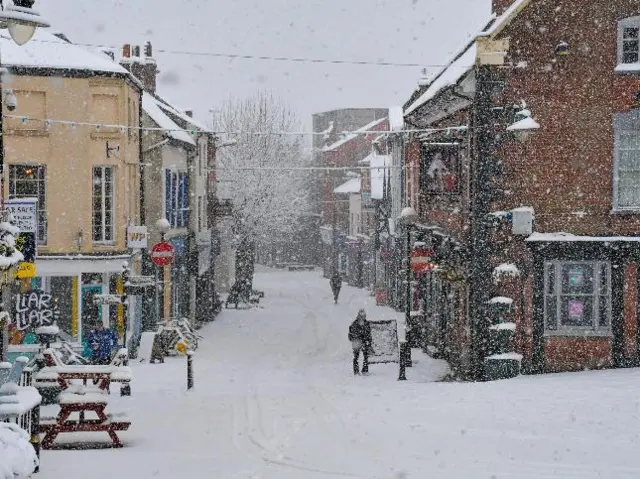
[{"x": 153, "y": 147}]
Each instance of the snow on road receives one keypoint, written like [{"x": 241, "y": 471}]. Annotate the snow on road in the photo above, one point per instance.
[{"x": 275, "y": 398}]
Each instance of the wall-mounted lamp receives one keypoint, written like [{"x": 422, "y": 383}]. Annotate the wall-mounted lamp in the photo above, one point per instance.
[
  {"x": 562, "y": 49},
  {"x": 524, "y": 125},
  {"x": 113, "y": 151}
]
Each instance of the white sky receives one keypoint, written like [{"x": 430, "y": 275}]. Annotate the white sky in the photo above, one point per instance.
[{"x": 401, "y": 31}]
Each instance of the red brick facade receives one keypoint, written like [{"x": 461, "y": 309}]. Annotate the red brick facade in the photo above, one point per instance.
[{"x": 565, "y": 173}]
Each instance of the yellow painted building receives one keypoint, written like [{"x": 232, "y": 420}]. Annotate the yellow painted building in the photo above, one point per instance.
[{"x": 73, "y": 142}]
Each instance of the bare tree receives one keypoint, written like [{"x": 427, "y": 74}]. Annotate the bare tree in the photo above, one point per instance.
[{"x": 258, "y": 173}]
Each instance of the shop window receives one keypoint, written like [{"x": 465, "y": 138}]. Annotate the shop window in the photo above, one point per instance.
[
  {"x": 103, "y": 204},
  {"x": 439, "y": 171},
  {"x": 29, "y": 181},
  {"x": 177, "y": 198},
  {"x": 577, "y": 297}
]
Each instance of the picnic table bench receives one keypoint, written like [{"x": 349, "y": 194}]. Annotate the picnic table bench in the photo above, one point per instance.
[
  {"x": 76, "y": 398},
  {"x": 118, "y": 373}
]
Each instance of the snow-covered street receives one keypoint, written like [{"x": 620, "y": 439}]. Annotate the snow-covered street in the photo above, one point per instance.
[{"x": 275, "y": 398}]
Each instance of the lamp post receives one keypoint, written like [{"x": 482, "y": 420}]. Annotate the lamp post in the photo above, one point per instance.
[
  {"x": 408, "y": 217},
  {"x": 163, "y": 226},
  {"x": 22, "y": 22}
]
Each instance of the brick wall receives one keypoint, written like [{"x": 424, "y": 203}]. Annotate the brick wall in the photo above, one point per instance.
[{"x": 565, "y": 171}]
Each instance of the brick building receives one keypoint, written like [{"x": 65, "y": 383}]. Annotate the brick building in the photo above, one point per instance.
[
  {"x": 341, "y": 150},
  {"x": 572, "y": 282}
]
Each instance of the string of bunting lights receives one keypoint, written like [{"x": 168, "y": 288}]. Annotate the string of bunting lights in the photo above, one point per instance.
[{"x": 48, "y": 122}]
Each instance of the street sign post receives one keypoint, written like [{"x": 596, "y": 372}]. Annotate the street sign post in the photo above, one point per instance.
[
  {"x": 137, "y": 237},
  {"x": 162, "y": 254},
  {"x": 421, "y": 257},
  {"x": 109, "y": 299}
]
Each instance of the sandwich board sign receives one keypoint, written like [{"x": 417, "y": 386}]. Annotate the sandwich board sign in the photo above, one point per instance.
[{"x": 25, "y": 217}]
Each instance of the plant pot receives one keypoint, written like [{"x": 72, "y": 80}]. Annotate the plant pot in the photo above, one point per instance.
[{"x": 502, "y": 366}]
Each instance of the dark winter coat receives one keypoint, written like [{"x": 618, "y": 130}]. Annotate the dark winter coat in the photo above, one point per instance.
[
  {"x": 102, "y": 343},
  {"x": 361, "y": 332},
  {"x": 336, "y": 282}
]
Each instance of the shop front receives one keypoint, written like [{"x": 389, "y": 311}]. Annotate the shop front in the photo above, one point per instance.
[
  {"x": 583, "y": 303},
  {"x": 63, "y": 293}
]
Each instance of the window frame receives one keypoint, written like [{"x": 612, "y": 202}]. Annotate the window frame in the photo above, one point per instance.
[
  {"x": 595, "y": 329},
  {"x": 623, "y": 123},
  {"x": 103, "y": 210},
  {"x": 43, "y": 224},
  {"x": 630, "y": 22},
  {"x": 176, "y": 194}
]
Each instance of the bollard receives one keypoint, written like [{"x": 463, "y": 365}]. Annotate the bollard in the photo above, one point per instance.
[
  {"x": 35, "y": 434},
  {"x": 401, "y": 361},
  {"x": 189, "y": 369}
]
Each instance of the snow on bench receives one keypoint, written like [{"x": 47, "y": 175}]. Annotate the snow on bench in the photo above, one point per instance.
[
  {"x": 24, "y": 399},
  {"x": 90, "y": 398}
]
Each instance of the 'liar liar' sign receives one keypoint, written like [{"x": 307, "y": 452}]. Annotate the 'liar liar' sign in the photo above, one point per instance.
[{"x": 137, "y": 237}]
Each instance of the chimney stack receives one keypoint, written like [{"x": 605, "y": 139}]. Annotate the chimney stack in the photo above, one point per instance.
[
  {"x": 500, "y": 6},
  {"x": 144, "y": 69}
]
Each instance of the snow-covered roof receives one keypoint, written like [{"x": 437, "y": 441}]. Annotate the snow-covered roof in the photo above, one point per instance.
[
  {"x": 46, "y": 50},
  {"x": 572, "y": 237},
  {"x": 464, "y": 60},
  {"x": 503, "y": 20},
  {"x": 168, "y": 107},
  {"x": 152, "y": 107},
  {"x": 353, "y": 135},
  {"x": 351, "y": 186},
  {"x": 451, "y": 74}
]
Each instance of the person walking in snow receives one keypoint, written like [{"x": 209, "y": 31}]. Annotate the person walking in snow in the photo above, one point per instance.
[
  {"x": 336, "y": 284},
  {"x": 360, "y": 337},
  {"x": 102, "y": 342}
]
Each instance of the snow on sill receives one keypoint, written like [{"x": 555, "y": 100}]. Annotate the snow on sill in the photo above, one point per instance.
[
  {"x": 500, "y": 300},
  {"x": 513, "y": 356},
  {"x": 627, "y": 68},
  {"x": 48, "y": 330},
  {"x": 571, "y": 237},
  {"x": 503, "y": 327}
]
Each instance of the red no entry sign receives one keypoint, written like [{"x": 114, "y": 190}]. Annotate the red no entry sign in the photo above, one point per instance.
[
  {"x": 421, "y": 260},
  {"x": 162, "y": 254}
]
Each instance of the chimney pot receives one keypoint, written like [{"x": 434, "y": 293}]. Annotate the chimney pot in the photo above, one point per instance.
[
  {"x": 136, "y": 51},
  {"x": 148, "y": 50},
  {"x": 126, "y": 50}
]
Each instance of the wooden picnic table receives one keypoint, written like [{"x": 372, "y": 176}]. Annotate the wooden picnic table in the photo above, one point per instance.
[{"x": 81, "y": 399}]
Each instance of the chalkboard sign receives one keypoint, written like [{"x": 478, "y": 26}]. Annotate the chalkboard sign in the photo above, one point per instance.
[{"x": 31, "y": 310}]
